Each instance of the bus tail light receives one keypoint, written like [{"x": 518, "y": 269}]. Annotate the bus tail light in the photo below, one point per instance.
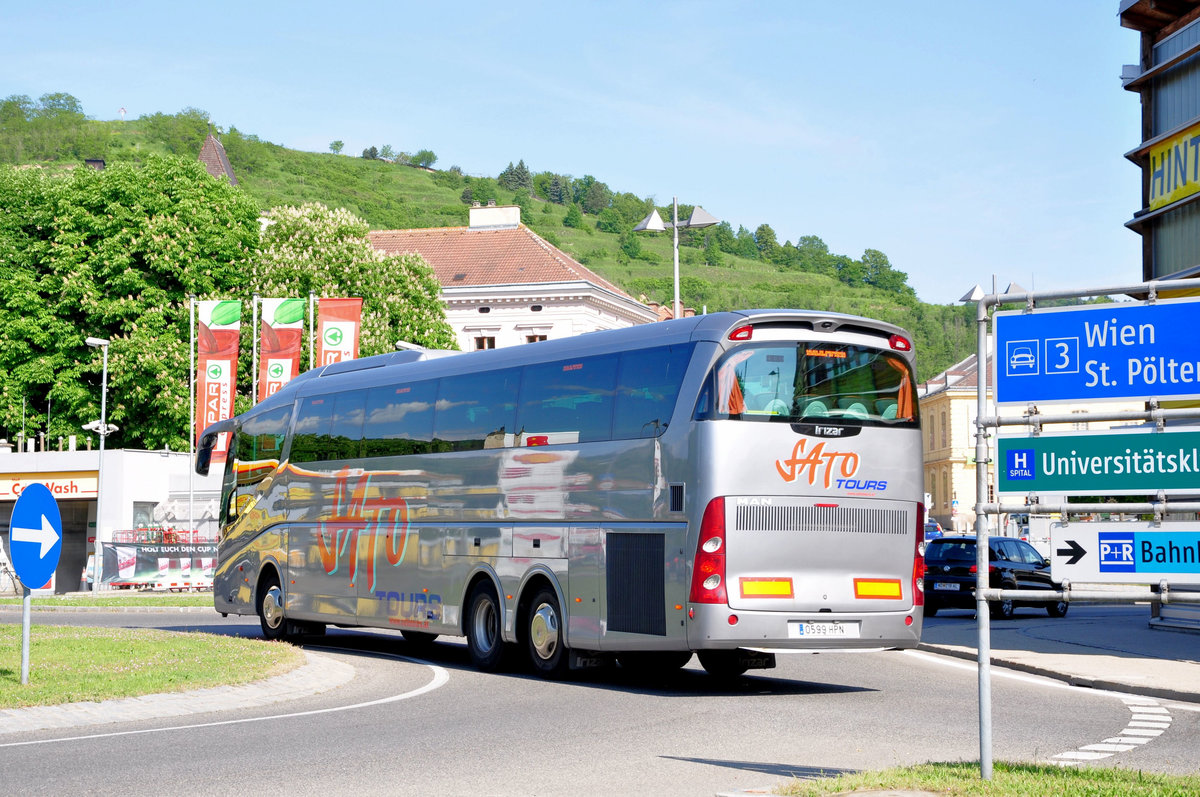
[
  {"x": 900, "y": 343},
  {"x": 708, "y": 569},
  {"x": 918, "y": 576}
]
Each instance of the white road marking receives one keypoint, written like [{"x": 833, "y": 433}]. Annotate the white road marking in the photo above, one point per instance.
[
  {"x": 440, "y": 678},
  {"x": 1148, "y": 719}
]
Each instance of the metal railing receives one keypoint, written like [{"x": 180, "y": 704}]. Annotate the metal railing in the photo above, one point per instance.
[{"x": 1034, "y": 419}]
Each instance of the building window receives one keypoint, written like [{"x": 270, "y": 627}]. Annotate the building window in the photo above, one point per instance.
[
  {"x": 945, "y": 438},
  {"x": 946, "y": 486},
  {"x": 534, "y": 338},
  {"x": 485, "y": 342}
]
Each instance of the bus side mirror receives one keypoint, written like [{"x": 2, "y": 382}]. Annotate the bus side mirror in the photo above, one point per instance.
[{"x": 208, "y": 442}]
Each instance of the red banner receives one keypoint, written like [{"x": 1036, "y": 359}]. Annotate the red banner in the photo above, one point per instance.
[
  {"x": 337, "y": 330},
  {"x": 279, "y": 342},
  {"x": 216, "y": 372}
]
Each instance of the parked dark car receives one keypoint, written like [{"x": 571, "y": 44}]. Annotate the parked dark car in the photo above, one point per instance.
[{"x": 1012, "y": 564}]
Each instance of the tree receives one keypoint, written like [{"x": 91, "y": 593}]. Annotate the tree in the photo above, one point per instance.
[
  {"x": 765, "y": 241},
  {"x": 312, "y": 249},
  {"x": 573, "y": 218},
  {"x": 53, "y": 128},
  {"x": 371, "y": 153},
  {"x": 610, "y": 221},
  {"x": 336, "y": 146},
  {"x": 182, "y": 133},
  {"x": 516, "y": 178},
  {"x": 386, "y": 152},
  {"x": 712, "y": 252},
  {"x": 746, "y": 245},
  {"x": 559, "y": 190},
  {"x": 424, "y": 158},
  {"x": 113, "y": 254}
]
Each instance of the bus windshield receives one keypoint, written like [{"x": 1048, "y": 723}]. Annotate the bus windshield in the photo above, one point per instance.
[{"x": 811, "y": 382}]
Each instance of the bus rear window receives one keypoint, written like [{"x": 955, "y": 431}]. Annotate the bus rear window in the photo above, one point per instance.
[{"x": 811, "y": 382}]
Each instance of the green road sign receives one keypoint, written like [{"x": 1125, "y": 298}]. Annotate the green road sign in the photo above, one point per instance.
[{"x": 1100, "y": 464}]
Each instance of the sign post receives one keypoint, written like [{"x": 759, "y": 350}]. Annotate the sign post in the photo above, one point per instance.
[{"x": 35, "y": 539}]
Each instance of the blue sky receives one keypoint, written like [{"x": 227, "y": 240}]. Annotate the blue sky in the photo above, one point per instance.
[{"x": 964, "y": 140}]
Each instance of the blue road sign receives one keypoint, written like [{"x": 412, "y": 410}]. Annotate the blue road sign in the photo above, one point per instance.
[
  {"x": 35, "y": 535},
  {"x": 1098, "y": 353},
  {"x": 1126, "y": 553}
]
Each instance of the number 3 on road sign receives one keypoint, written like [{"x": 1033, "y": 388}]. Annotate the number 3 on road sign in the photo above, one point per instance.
[{"x": 1062, "y": 355}]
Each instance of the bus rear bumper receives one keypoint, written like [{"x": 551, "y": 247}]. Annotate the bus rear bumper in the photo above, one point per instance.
[{"x": 719, "y": 627}]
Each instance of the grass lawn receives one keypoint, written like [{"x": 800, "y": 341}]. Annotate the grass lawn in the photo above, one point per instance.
[
  {"x": 1008, "y": 780},
  {"x": 70, "y": 664}
]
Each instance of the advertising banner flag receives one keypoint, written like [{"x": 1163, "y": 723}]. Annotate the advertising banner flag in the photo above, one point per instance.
[
  {"x": 339, "y": 323},
  {"x": 280, "y": 333},
  {"x": 216, "y": 370}
]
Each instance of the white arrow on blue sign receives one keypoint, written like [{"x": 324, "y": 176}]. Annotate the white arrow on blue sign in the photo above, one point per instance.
[{"x": 35, "y": 535}]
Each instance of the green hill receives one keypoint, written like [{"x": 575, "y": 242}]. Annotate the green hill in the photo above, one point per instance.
[{"x": 720, "y": 269}]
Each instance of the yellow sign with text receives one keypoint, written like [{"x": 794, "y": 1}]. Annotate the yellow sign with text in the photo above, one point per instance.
[{"x": 1175, "y": 168}]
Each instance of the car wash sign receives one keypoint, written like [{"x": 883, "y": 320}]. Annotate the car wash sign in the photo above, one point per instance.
[
  {"x": 1100, "y": 464},
  {"x": 1133, "y": 350}
]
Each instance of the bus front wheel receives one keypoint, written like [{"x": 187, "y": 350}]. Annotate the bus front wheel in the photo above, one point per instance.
[
  {"x": 485, "y": 643},
  {"x": 544, "y": 635},
  {"x": 270, "y": 609}
]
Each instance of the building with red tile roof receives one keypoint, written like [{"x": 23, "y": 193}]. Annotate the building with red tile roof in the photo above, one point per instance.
[{"x": 505, "y": 285}]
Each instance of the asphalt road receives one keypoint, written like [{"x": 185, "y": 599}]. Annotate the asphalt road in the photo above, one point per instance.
[{"x": 601, "y": 733}]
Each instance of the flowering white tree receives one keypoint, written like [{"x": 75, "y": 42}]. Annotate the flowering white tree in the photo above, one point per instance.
[{"x": 313, "y": 249}]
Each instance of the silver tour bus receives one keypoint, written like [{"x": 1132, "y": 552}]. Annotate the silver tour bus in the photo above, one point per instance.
[{"x": 733, "y": 485}]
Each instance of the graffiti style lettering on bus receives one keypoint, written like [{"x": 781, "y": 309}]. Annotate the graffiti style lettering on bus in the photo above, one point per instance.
[
  {"x": 356, "y": 512},
  {"x": 411, "y": 609},
  {"x": 816, "y": 462}
]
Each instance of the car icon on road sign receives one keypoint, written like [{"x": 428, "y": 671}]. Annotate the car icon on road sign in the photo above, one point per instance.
[{"x": 1022, "y": 358}]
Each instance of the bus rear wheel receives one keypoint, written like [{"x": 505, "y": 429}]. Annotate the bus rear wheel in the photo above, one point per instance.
[
  {"x": 270, "y": 609},
  {"x": 544, "y": 635},
  {"x": 485, "y": 643}
]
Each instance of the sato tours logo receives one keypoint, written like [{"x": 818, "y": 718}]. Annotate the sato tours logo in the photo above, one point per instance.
[
  {"x": 1019, "y": 464},
  {"x": 827, "y": 466}
]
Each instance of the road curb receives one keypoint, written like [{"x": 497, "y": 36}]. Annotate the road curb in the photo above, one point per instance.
[
  {"x": 320, "y": 673},
  {"x": 112, "y": 609},
  {"x": 1162, "y": 693}
]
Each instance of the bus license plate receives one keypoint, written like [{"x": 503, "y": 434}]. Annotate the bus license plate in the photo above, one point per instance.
[
  {"x": 952, "y": 586},
  {"x": 848, "y": 630}
]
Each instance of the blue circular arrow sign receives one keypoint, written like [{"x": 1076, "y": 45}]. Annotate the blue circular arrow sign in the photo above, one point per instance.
[{"x": 35, "y": 535}]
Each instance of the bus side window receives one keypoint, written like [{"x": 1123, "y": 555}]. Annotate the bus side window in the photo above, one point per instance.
[
  {"x": 458, "y": 422},
  {"x": 346, "y": 425},
  {"x": 647, "y": 387},
  {"x": 569, "y": 401},
  {"x": 311, "y": 436},
  {"x": 399, "y": 420},
  {"x": 257, "y": 447}
]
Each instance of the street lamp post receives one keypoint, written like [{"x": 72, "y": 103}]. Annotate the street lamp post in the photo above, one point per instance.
[
  {"x": 102, "y": 428},
  {"x": 654, "y": 223}
]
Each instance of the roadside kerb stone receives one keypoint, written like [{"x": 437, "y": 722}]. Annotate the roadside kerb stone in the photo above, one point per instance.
[{"x": 319, "y": 674}]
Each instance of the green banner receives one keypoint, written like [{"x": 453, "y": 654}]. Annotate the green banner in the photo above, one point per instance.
[{"x": 1141, "y": 462}]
